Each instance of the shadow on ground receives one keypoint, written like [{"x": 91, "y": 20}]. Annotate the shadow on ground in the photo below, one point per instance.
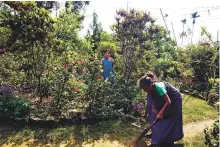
[{"x": 13, "y": 134}]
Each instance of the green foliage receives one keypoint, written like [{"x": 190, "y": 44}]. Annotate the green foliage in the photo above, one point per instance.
[
  {"x": 203, "y": 62},
  {"x": 12, "y": 106},
  {"x": 214, "y": 91},
  {"x": 29, "y": 24},
  {"x": 76, "y": 6},
  {"x": 5, "y": 32},
  {"x": 109, "y": 132},
  {"x": 96, "y": 29},
  {"x": 9, "y": 72},
  {"x": 46, "y": 4},
  {"x": 107, "y": 102},
  {"x": 194, "y": 66},
  {"x": 133, "y": 30},
  {"x": 212, "y": 135},
  {"x": 89, "y": 95},
  {"x": 48, "y": 62},
  {"x": 108, "y": 42},
  {"x": 67, "y": 27},
  {"x": 33, "y": 40}
]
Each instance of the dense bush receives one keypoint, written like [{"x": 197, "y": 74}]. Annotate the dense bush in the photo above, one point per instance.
[
  {"x": 13, "y": 106},
  {"x": 213, "y": 96},
  {"x": 212, "y": 135},
  {"x": 110, "y": 101},
  {"x": 96, "y": 98}
]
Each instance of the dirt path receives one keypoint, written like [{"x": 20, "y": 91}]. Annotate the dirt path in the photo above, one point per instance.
[{"x": 196, "y": 127}]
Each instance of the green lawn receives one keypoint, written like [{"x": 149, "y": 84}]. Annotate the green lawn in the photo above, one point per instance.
[
  {"x": 194, "y": 140},
  {"x": 197, "y": 110},
  {"x": 108, "y": 131}
]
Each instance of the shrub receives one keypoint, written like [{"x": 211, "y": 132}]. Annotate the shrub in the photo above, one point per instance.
[
  {"x": 212, "y": 135},
  {"x": 12, "y": 106},
  {"x": 100, "y": 100},
  {"x": 213, "y": 96}
]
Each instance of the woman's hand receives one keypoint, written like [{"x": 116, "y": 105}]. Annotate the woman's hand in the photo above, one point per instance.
[
  {"x": 167, "y": 102},
  {"x": 159, "y": 115}
]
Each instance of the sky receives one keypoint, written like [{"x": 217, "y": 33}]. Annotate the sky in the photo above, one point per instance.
[{"x": 175, "y": 9}]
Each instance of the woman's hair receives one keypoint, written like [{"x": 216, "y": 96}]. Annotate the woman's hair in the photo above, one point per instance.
[
  {"x": 107, "y": 50},
  {"x": 151, "y": 75},
  {"x": 147, "y": 80}
]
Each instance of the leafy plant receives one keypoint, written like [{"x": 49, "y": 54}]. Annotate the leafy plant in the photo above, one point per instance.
[
  {"x": 13, "y": 106},
  {"x": 214, "y": 91},
  {"x": 133, "y": 29},
  {"x": 212, "y": 135}
]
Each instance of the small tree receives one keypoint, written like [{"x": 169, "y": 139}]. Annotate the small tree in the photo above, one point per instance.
[
  {"x": 96, "y": 32},
  {"x": 33, "y": 41},
  {"x": 132, "y": 31}
]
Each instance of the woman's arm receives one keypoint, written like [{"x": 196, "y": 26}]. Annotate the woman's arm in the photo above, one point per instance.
[
  {"x": 112, "y": 60},
  {"x": 167, "y": 102}
]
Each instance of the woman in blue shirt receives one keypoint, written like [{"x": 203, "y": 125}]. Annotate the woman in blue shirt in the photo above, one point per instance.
[{"x": 107, "y": 64}]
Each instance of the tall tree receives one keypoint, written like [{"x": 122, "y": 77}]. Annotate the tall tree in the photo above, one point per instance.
[
  {"x": 96, "y": 32},
  {"x": 46, "y": 4},
  {"x": 132, "y": 31},
  {"x": 32, "y": 38},
  {"x": 76, "y": 6},
  {"x": 49, "y": 5},
  {"x": 183, "y": 34},
  {"x": 194, "y": 16}
]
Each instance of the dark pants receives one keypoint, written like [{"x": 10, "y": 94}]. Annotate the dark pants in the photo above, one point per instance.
[{"x": 167, "y": 145}]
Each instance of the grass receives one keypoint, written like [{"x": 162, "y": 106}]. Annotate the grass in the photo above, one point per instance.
[
  {"x": 66, "y": 136},
  {"x": 195, "y": 109},
  {"x": 72, "y": 135},
  {"x": 193, "y": 140},
  {"x": 107, "y": 133}
]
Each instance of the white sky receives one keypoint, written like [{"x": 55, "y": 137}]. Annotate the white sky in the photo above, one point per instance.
[{"x": 106, "y": 11}]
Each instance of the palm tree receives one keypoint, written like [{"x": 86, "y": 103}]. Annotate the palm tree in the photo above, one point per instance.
[
  {"x": 183, "y": 33},
  {"x": 194, "y": 16}
]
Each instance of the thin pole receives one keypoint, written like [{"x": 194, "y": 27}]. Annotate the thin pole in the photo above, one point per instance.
[
  {"x": 217, "y": 35},
  {"x": 218, "y": 45},
  {"x": 192, "y": 34},
  {"x": 164, "y": 21},
  {"x": 183, "y": 32},
  {"x": 174, "y": 34}
]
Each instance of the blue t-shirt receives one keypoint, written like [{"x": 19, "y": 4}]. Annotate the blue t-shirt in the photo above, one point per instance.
[{"x": 107, "y": 67}]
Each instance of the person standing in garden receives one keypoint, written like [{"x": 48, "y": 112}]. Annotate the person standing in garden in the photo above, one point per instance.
[
  {"x": 164, "y": 103},
  {"x": 107, "y": 64}
]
